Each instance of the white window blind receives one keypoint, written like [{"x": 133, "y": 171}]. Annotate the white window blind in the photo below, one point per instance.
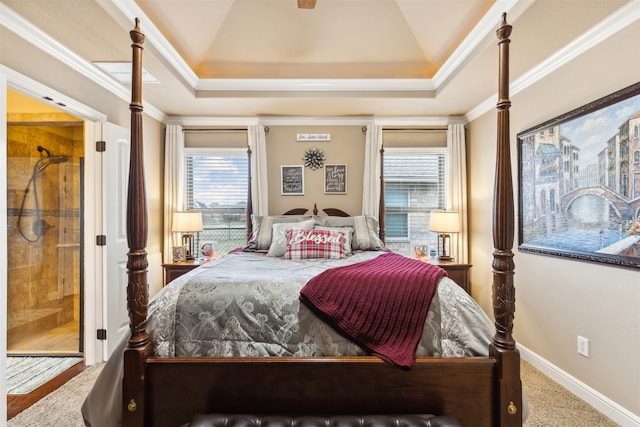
[
  {"x": 216, "y": 184},
  {"x": 415, "y": 183}
]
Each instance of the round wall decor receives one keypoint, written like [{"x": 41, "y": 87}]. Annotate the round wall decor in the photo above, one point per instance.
[{"x": 313, "y": 158}]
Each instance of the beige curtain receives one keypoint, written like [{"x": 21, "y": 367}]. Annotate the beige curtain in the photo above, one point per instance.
[
  {"x": 173, "y": 182},
  {"x": 259, "y": 185},
  {"x": 371, "y": 183},
  {"x": 458, "y": 188}
]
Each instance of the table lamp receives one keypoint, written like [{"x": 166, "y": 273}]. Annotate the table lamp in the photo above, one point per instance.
[
  {"x": 187, "y": 223},
  {"x": 444, "y": 223}
]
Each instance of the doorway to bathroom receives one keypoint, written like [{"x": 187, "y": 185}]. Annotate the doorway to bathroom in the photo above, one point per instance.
[{"x": 45, "y": 170}]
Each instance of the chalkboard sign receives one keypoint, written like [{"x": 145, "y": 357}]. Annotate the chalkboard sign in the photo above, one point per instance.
[
  {"x": 335, "y": 179},
  {"x": 292, "y": 180}
]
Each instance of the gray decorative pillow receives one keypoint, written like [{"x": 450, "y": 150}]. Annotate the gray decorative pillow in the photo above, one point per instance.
[
  {"x": 348, "y": 235},
  {"x": 279, "y": 235},
  {"x": 365, "y": 230},
  {"x": 260, "y": 239}
]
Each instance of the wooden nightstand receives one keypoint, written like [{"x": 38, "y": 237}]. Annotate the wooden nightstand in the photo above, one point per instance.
[
  {"x": 173, "y": 270},
  {"x": 459, "y": 273}
]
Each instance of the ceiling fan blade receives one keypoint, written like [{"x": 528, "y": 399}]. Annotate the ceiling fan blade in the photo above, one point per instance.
[{"x": 306, "y": 4}]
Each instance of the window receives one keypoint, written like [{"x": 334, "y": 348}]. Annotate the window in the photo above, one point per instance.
[
  {"x": 415, "y": 183},
  {"x": 216, "y": 184}
]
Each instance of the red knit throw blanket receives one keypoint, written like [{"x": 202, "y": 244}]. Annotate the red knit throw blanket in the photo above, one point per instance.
[{"x": 381, "y": 304}]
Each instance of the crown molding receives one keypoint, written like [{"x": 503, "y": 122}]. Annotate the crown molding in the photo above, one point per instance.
[
  {"x": 32, "y": 34},
  {"x": 55, "y": 99},
  {"x": 130, "y": 10},
  {"x": 316, "y": 121},
  {"x": 612, "y": 24},
  {"x": 435, "y": 121},
  {"x": 479, "y": 37},
  {"x": 618, "y": 20},
  {"x": 314, "y": 85},
  {"x": 210, "y": 121}
]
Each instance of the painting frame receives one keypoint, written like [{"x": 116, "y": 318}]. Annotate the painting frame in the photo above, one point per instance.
[
  {"x": 179, "y": 254},
  {"x": 335, "y": 179},
  {"x": 579, "y": 183},
  {"x": 292, "y": 180}
]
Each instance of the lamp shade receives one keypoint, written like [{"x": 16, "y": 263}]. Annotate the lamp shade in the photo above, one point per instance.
[
  {"x": 444, "y": 222},
  {"x": 186, "y": 222}
]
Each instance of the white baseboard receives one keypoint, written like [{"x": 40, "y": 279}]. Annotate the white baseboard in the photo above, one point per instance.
[{"x": 594, "y": 398}]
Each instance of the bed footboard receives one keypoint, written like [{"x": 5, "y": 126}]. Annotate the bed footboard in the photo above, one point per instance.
[{"x": 178, "y": 388}]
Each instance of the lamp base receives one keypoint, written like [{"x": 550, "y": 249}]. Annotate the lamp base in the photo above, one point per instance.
[
  {"x": 187, "y": 242},
  {"x": 444, "y": 249}
]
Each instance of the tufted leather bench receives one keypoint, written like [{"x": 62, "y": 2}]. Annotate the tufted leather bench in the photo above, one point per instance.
[{"x": 234, "y": 420}]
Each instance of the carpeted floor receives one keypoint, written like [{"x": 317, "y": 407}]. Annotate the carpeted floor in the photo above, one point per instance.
[
  {"x": 550, "y": 404},
  {"x": 26, "y": 373},
  {"x": 62, "y": 407}
]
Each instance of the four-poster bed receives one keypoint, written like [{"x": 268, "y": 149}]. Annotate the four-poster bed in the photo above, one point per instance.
[{"x": 479, "y": 391}]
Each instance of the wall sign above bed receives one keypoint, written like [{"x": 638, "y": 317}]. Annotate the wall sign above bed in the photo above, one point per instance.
[
  {"x": 579, "y": 182},
  {"x": 291, "y": 180},
  {"x": 335, "y": 179},
  {"x": 303, "y": 137}
]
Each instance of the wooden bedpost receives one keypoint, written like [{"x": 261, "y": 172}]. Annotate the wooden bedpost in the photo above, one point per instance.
[
  {"x": 381, "y": 215},
  {"x": 139, "y": 345},
  {"x": 503, "y": 346},
  {"x": 249, "y": 209}
]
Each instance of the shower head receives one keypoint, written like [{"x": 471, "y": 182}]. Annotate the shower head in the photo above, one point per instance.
[
  {"x": 52, "y": 159},
  {"x": 58, "y": 159},
  {"x": 41, "y": 149}
]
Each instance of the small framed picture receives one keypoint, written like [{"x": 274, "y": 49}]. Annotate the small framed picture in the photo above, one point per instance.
[
  {"x": 335, "y": 179},
  {"x": 208, "y": 251},
  {"x": 421, "y": 250},
  {"x": 179, "y": 253},
  {"x": 292, "y": 180}
]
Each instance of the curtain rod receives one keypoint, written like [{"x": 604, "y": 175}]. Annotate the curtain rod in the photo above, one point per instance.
[
  {"x": 433, "y": 129},
  {"x": 214, "y": 130},
  {"x": 401, "y": 129},
  {"x": 266, "y": 130}
]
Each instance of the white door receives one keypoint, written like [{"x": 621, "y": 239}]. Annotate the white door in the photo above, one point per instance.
[{"x": 116, "y": 178}]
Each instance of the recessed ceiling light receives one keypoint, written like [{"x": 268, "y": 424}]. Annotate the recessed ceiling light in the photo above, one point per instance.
[{"x": 121, "y": 71}]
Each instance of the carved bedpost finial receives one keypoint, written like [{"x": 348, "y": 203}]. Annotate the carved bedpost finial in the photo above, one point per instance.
[
  {"x": 136, "y": 35},
  {"x": 504, "y": 31}
]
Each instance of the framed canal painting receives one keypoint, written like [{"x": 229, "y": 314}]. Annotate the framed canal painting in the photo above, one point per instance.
[{"x": 579, "y": 183}]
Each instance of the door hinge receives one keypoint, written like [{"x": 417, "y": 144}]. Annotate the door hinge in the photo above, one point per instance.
[
  {"x": 101, "y": 240},
  {"x": 101, "y": 146},
  {"x": 102, "y": 334}
]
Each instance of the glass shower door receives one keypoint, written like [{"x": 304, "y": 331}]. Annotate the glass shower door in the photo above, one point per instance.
[{"x": 44, "y": 298}]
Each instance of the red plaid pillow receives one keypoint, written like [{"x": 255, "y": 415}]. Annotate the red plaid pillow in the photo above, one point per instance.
[{"x": 311, "y": 244}]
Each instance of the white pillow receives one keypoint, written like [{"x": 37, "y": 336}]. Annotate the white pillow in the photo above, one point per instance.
[
  {"x": 279, "y": 238},
  {"x": 260, "y": 239}
]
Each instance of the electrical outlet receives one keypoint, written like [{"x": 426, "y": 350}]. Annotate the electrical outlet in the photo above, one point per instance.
[{"x": 583, "y": 346}]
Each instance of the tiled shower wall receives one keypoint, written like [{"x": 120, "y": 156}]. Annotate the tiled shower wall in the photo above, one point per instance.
[{"x": 43, "y": 276}]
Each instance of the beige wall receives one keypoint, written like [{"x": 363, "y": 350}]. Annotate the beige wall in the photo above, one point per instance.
[
  {"x": 346, "y": 147},
  {"x": 558, "y": 299}
]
